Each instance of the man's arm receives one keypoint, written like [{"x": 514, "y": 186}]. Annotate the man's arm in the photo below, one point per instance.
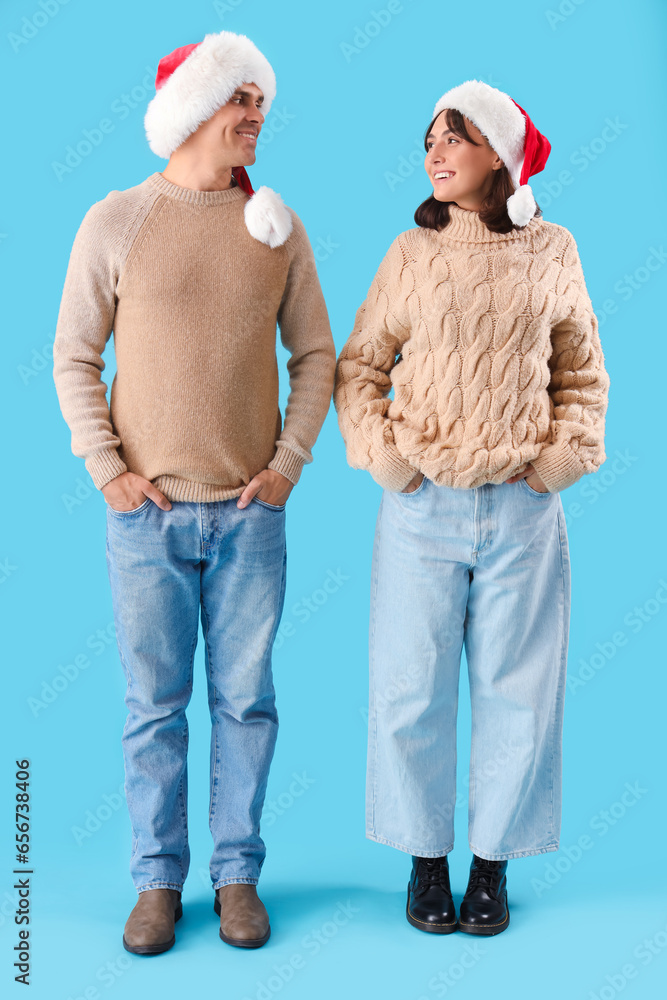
[
  {"x": 85, "y": 323},
  {"x": 363, "y": 381},
  {"x": 305, "y": 332},
  {"x": 578, "y": 388}
]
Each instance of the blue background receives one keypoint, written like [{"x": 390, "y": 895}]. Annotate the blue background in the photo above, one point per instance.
[{"x": 337, "y": 145}]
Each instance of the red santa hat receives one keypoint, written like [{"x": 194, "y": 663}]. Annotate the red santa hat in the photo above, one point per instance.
[
  {"x": 192, "y": 83},
  {"x": 523, "y": 149}
]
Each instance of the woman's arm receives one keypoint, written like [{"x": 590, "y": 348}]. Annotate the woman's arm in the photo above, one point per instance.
[
  {"x": 363, "y": 369},
  {"x": 579, "y": 385}
]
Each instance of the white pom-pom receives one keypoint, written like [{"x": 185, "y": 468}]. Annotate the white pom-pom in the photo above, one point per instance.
[
  {"x": 521, "y": 205},
  {"x": 267, "y": 217}
]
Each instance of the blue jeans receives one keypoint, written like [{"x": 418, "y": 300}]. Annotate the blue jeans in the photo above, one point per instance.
[
  {"x": 163, "y": 566},
  {"x": 488, "y": 567}
]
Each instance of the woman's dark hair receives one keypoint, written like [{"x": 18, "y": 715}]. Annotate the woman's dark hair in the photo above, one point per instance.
[{"x": 434, "y": 214}]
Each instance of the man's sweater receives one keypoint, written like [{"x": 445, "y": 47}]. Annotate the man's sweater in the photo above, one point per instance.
[
  {"x": 490, "y": 343},
  {"x": 192, "y": 300}
]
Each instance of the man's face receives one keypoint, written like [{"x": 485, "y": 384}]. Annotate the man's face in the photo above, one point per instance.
[{"x": 233, "y": 130}]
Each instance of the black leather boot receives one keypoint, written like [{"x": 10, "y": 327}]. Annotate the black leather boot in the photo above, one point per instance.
[
  {"x": 484, "y": 908},
  {"x": 430, "y": 905}
]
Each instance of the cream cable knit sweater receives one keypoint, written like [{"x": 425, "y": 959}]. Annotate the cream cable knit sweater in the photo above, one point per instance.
[{"x": 491, "y": 345}]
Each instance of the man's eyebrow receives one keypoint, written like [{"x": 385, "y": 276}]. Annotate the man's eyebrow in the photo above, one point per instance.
[
  {"x": 446, "y": 132},
  {"x": 246, "y": 93}
]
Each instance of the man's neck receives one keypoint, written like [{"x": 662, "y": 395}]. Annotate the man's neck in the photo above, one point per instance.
[{"x": 199, "y": 176}]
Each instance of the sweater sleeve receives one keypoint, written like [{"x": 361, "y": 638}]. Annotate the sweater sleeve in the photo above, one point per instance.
[
  {"x": 363, "y": 369},
  {"x": 85, "y": 322},
  {"x": 578, "y": 387},
  {"x": 305, "y": 332}
]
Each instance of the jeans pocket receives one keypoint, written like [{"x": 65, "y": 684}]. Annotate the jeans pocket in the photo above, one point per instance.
[
  {"x": 534, "y": 493},
  {"x": 413, "y": 492},
  {"x": 271, "y": 506},
  {"x": 129, "y": 513}
]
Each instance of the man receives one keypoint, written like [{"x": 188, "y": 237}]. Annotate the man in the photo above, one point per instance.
[{"x": 191, "y": 271}]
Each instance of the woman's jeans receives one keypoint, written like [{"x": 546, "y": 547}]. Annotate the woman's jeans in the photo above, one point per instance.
[
  {"x": 163, "y": 566},
  {"x": 488, "y": 567}
]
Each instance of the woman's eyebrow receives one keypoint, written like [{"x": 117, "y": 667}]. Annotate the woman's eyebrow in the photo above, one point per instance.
[{"x": 446, "y": 132}]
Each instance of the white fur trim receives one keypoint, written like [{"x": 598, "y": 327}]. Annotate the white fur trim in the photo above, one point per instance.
[
  {"x": 267, "y": 218},
  {"x": 496, "y": 116},
  {"x": 521, "y": 205},
  {"x": 201, "y": 85}
]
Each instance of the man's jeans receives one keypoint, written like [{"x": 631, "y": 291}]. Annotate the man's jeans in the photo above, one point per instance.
[
  {"x": 164, "y": 565},
  {"x": 488, "y": 567}
]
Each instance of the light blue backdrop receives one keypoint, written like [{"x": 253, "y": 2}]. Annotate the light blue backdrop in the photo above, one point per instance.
[{"x": 356, "y": 85}]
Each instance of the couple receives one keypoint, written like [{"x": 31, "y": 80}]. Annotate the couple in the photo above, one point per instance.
[{"x": 480, "y": 321}]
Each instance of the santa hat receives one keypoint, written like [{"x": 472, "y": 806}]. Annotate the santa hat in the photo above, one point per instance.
[
  {"x": 510, "y": 132},
  {"x": 192, "y": 83}
]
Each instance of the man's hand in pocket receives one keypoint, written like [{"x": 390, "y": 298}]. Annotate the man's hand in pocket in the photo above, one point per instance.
[{"x": 128, "y": 491}]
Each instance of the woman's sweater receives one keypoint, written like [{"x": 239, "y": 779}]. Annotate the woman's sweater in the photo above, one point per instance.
[{"x": 491, "y": 345}]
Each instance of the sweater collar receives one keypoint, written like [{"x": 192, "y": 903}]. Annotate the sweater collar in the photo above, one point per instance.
[
  {"x": 192, "y": 196},
  {"x": 466, "y": 227}
]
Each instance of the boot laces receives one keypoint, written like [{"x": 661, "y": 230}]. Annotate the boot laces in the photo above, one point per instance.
[
  {"x": 485, "y": 875},
  {"x": 431, "y": 872}
]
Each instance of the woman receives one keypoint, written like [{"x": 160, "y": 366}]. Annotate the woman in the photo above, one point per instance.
[{"x": 480, "y": 321}]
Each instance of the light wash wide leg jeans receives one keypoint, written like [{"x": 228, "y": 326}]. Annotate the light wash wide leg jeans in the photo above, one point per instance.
[
  {"x": 488, "y": 567},
  {"x": 164, "y": 566}
]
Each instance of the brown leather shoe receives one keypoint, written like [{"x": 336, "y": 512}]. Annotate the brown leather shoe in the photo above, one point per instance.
[
  {"x": 244, "y": 921},
  {"x": 150, "y": 927}
]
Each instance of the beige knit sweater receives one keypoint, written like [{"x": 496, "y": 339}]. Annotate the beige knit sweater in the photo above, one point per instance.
[
  {"x": 192, "y": 300},
  {"x": 490, "y": 344}
]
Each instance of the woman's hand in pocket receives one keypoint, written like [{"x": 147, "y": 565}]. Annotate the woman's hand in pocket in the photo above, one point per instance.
[
  {"x": 531, "y": 478},
  {"x": 414, "y": 483}
]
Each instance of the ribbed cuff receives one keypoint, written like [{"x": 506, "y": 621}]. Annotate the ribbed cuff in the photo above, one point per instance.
[
  {"x": 104, "y": 466},
  {"x": 557, "y": 466},
  {"x": 287, "y": 463},
  {"x": 391, "y": 471}
]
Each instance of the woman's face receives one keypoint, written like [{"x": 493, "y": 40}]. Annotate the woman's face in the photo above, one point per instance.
[{"x": 459, "y": 171}]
